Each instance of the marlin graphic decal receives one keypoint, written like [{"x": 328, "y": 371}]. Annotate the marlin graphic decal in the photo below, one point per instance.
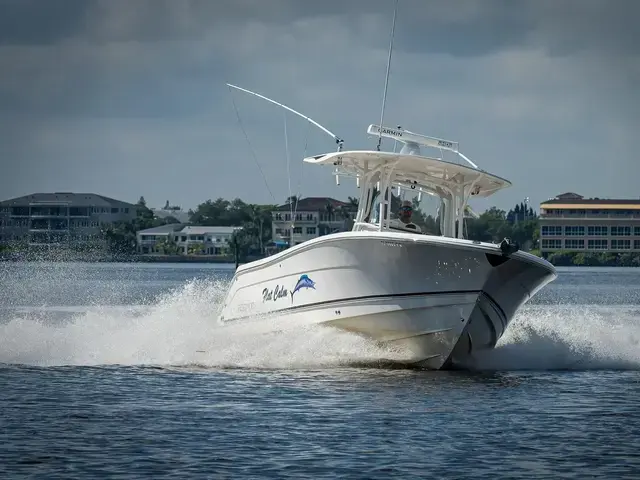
[{"x": 303, "y": 282}]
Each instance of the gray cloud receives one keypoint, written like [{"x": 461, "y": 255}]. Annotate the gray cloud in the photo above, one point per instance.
[
  {"x": 32, "y": 22},
  {"x": 465, "y": 27},
  {"x": 128, "y": 97}
]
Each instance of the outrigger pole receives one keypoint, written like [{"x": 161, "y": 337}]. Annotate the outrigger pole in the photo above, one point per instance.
[{"x": 338, "y": 140}]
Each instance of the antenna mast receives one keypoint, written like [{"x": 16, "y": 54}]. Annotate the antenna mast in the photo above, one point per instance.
[{"x": 386, "y": 80}]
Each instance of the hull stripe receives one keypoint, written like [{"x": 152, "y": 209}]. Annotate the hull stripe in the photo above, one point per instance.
[{"x": 339, "y": 301}]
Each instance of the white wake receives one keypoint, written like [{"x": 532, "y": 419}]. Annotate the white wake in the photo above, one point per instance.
[
  {"x": 553, "y": 337},
  {"x": 181, "y": 329}
]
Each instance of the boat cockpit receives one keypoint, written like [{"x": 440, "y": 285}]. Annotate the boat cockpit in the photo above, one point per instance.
[
  {"x": 397, "y": 215},
  {"x": 378, "y": 173}
]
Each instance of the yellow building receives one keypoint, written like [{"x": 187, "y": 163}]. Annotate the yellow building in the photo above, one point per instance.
[{"x": 570, "y": 222}]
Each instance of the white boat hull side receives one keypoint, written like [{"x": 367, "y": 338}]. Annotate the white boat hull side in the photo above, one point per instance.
[
  {"x": 423, "y": 329},
  {"x": 422, "y": 293},
  {"x": 419, "y": 330}
]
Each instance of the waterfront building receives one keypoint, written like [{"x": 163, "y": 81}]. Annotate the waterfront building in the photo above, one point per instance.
[
  {"x": 184, "y": 239},
  {"x": 570, "y": 222},
  {"x": 60, "y": 219},
  {"x": 312, "y": 217}
]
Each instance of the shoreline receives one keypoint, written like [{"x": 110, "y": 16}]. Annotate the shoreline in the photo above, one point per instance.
[
  {"x": 557, "y": 259},
  {"x": 198, "y": 259},
  {"x": 129, "y": 259}
]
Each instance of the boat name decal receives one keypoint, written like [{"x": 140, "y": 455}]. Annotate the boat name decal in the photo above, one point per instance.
[
  {"x": 272, "y": 295},
  {"x": 280, "y": 291},
  {"x": 444, "y": 143}
]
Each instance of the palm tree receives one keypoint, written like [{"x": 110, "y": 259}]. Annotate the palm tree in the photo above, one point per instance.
[
  {"x": 292, "y": 200},
  {"x": 257, "y": 221},
  {"x": 330, "y": 209},
  {"x": 345, "y": 212},
  {"x": 167, "y": 246}
]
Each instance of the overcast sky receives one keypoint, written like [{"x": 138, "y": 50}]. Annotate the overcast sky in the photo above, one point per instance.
[{"x": 128, "y": 97}]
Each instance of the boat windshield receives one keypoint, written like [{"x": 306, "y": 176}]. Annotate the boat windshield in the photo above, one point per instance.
[{"x": 401, "y": 208}]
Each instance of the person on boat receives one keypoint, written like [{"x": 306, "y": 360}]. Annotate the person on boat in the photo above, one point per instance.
[{"x": 404, "y": 217}]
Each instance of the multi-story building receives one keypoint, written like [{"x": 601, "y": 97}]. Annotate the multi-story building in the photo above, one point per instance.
[
  {"x": 60, "y": 219},
  {"x": 570, "y": 222},
  {"x": 157, "y": 239},
  {"x": 312, "y": 217},
  {"x": 187, "y": 239}
]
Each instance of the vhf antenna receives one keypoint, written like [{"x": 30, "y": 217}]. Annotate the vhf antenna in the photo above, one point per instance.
[{"x": 386, "y": 79}]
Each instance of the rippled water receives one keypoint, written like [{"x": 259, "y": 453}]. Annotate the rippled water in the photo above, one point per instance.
[{"x": 120, "y": 371}]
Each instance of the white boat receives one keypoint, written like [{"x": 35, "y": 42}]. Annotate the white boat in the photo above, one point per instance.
[{"x": 439, "y": 298}]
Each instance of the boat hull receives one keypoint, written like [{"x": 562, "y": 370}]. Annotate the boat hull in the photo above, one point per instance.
[{"x": 434, "y": 300}]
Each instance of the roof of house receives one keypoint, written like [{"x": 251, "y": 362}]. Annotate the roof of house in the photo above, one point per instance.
[
  {"x": 314, "y": 204},
  {"x": 573, "y": 200},
  {"x": 163, "y": 229},
  {"x": 67, "y": 198},
  {"x": 568, "y": 195},
  {"x": 198, "y": 230},
  {"x": 187, "y": 229}
]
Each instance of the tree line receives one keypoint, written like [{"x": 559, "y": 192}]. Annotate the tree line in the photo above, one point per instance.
[
  {"x": 255, "y": 220},
  {"x": 520, "y": 224}
]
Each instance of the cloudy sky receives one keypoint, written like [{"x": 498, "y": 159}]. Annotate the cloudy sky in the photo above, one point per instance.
[{"x": 128, "y": 97}]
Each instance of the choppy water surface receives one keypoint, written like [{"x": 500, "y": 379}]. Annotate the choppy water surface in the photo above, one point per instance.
[{"x": 121, "y": 371}]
